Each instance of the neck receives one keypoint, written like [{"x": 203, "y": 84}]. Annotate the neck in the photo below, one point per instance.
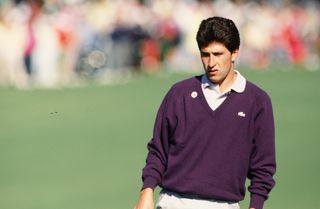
[{"x": 228, "y": 81}]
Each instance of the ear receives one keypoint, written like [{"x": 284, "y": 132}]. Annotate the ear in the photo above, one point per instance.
[{"x": 234, "y": 55}]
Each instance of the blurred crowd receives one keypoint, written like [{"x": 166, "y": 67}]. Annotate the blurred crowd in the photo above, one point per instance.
[{"x": 52, "y": 43}]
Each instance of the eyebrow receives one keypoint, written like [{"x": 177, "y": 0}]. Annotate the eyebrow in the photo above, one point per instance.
[{"x": 214, "y": 53}]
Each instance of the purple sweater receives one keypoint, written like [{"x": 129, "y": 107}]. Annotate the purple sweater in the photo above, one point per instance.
[{"x": 198, "y": 151}]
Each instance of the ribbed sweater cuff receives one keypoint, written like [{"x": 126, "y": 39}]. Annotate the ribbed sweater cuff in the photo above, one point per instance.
[
  {"x": 256, "y": 201},
  {"x": 149, "y": 183}
]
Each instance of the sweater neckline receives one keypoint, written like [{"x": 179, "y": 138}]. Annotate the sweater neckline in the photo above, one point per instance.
[{"x": 206, "y": 104}]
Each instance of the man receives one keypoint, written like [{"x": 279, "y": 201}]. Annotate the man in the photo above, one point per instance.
[{"x": 211, "y": 133}]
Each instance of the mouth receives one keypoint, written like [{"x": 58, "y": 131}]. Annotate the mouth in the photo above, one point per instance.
[{"x": 212, "y": 71}]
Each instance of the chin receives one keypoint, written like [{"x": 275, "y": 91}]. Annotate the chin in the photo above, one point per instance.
[{"x": 213, "y": 80}]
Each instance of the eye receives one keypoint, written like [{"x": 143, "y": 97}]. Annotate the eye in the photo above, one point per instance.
[
  {"x": 217, "y": 54},
  {"x": 205, "y": 54}
]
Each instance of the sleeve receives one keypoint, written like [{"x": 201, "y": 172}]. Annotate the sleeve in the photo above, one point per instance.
[
  {"x": 158, "y": 147},
  {"x": 262, "y": 161}
]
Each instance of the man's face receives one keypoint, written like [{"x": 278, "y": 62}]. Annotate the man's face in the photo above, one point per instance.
[{"x": 217, "y": 61}]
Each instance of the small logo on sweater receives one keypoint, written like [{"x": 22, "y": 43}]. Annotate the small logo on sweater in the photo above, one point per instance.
[
  {"x": 194, "y": 94},
  {"x": 241, "y": 114}
]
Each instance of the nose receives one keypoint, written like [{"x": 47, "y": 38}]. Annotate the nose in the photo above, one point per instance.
[{"x": 212, "y": 61}]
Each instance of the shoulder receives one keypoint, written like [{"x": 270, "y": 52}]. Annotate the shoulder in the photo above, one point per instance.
[
  {"x": 256, "y": 93},
  {"x": 178, "y": 90},
  {"x": 189, "y": 82},
  {"x": 181, "y": 88},
  {"x": 255, "y": 90},
  {"x": 186, "y": 84}
]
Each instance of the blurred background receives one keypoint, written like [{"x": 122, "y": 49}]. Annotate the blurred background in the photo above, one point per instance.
[
  {"x": 81, "y": 82},
  {"x": 54, "y": 43}
]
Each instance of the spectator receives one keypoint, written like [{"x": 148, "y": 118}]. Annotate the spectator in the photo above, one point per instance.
[{"x": 65, "y": 40}]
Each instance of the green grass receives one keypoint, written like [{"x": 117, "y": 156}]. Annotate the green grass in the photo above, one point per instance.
[{"x": 84, "y": 148}]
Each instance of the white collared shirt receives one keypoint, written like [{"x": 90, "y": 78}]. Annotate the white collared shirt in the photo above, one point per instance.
[{"x": 212, "y": 92}]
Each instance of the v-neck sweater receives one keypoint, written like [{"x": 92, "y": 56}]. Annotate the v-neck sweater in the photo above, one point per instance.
[{"x": 209, "y": 154}]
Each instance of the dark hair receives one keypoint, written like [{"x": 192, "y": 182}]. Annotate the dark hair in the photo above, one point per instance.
[{"x": 218, "y": 29}]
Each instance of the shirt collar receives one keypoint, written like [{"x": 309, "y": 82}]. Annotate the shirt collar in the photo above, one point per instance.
[{"x": 238, "y": 85}]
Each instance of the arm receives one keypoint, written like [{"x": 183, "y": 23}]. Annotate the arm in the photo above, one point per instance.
[
  {"x": 156, "y": 159},
  {"x": 158, "y": 147},
  {"x": 262, "y": 161},
  {"x": 145, "y": 200}
]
